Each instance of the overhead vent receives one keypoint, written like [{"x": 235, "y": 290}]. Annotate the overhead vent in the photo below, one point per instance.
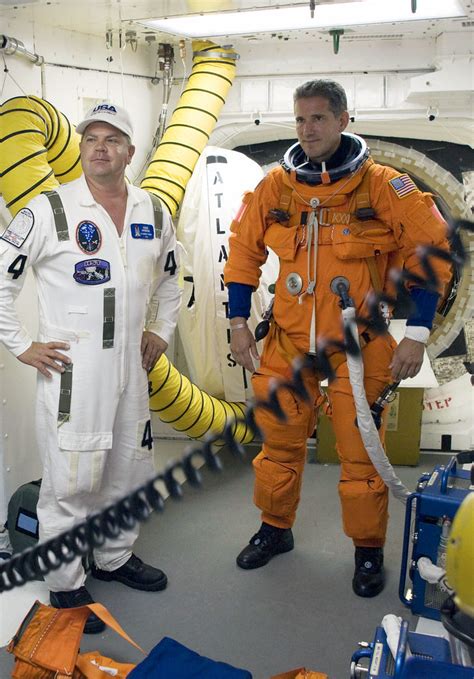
[{"x": 381, "y": 36}]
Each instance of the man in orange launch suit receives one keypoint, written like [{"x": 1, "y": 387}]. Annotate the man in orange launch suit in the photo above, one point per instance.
[{"x": 328, "y": 211}]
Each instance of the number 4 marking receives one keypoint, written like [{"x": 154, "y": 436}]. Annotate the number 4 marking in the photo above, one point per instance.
[
  {"x": 17, "y": 267},
  {"x": 170, "y": 264},
  {"x": 147, "y": 438}
]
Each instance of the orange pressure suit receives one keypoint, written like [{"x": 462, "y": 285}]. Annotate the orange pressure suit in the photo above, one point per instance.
[{"x": 305, "y": 309}]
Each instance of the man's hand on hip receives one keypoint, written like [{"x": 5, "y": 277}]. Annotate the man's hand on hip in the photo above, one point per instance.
[
  {"x": 152, "y": 348},
  {"x": 43, "y": 355}
]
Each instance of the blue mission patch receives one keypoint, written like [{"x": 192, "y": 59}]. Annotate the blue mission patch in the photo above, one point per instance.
[
  {"x": 145, "y": 231},
  {"x": 88, "y": 237},
  {"x": 92, "y": 271}
]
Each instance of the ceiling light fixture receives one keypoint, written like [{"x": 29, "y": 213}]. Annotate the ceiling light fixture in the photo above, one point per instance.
[{"x": 287, "y": 18}]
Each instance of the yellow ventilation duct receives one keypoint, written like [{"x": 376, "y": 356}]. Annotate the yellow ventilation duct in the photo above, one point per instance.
[
  {"x": 191, "y": 124},
  {"x": 188, "y": 409},
  {"x": 40, "y": 149}
]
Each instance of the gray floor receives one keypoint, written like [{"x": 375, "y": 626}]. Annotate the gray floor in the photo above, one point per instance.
[{"x": 297, "y": 611}]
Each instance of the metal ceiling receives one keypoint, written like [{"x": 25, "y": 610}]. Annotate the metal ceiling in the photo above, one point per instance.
[{"x": 96, "y": 17}]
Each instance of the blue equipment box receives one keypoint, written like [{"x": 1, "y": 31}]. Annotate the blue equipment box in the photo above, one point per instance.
[
  {"x": 436, "y": 501},
  {"x": 418, "y": 656}
]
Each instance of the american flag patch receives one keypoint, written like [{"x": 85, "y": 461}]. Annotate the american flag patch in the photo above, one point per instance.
[
  {"x": 403, "y": 185},
  {"x": 437, "y": 214},
  {"x": 240, "y": 212}
]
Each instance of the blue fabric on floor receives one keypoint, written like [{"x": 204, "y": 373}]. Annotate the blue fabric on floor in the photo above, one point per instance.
[{"x": 171, "y": 660}]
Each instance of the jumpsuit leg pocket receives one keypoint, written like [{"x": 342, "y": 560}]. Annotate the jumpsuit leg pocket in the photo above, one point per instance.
[
  {"x": 364, "y": 508},
  {"x": 276, "y": 486},
  {"x": 80, "y": 464}
]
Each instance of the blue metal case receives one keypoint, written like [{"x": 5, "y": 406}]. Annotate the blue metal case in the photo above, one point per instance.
[
  {"x": 418, "y": 656},
  {"x": 435, "y": 503}
]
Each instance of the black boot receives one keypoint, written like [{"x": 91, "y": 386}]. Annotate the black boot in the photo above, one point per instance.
[
  {"x": 73, "y": 599},
  {"x": 269, "y": 541},
  {"x": 134, "y": 573},
  {"x": 369, "y": 576}
]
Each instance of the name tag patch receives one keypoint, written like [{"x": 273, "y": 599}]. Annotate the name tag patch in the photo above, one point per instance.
[
  {"x": 92, "y": 271},
  {"x": 88, "y": 237},
  {"x": 145, "y": 231},
  {"x": 19, "y": 228}
]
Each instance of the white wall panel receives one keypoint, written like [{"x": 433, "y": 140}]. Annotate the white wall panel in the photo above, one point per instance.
[
  {"x": 316, "y": 57},
  {"x": 369, "y": 92},
  {"x": 254, "y": 95}
]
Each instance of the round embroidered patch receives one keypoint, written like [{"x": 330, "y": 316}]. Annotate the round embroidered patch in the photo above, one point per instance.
[{"x": 88, "y": 237}]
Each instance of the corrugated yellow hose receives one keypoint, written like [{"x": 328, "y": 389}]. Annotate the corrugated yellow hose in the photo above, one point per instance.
[
  {"x": 188, "y": 409},
  {"x": 40, "y": 149},
  {"x": 191, "y": 124}
]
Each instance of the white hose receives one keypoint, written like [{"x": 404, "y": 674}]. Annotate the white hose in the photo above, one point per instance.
[
  {"x": 391, "y": 625},
  {"x": 368, "y": 430},
  {"x": 433, "y": 574},
  {"x": 429, "y": 571}
]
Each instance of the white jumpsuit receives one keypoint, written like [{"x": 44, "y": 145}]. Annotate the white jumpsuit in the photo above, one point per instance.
[{"x": 97, "y": 291}]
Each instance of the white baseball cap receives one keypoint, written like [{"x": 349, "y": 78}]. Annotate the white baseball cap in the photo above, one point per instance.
[{"x": 108, "y": 113}]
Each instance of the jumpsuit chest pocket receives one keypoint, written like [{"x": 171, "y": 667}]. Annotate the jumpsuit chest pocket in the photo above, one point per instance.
[
  {"x": 358, "y": 240},
  {"x": 144, "y": 257},
  {"x": 283, "y": 240}
]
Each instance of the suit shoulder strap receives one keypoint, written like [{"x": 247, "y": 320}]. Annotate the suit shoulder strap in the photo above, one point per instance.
[
  {"x": 157, "y": 213},
  {"x": 364, "y": 211},
  {"x": 60, "y": 221},
  {"x": 362, "y": 192}
]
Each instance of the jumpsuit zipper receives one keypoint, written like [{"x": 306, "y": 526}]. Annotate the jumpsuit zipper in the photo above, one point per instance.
[{"x": 121, "y": 343}]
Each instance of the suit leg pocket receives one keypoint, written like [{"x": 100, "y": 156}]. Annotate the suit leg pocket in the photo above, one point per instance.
[
  {"x": 276, "y": 488},
  {"x": 80, "y": 463}
]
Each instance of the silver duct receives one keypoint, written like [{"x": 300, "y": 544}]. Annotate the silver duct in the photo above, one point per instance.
[{"x": 13, "y": 46}]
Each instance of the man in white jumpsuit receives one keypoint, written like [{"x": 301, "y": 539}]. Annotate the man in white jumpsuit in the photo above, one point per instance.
[{"x": 106, "y": 267}]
